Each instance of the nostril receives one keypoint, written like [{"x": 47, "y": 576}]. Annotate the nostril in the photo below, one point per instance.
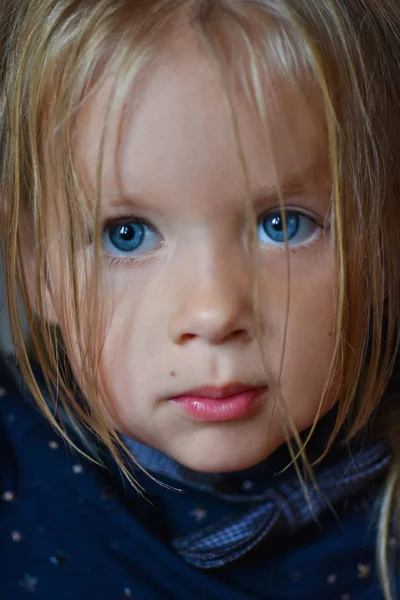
[
  {"x": 239, "y": 333},
  {"x": 239, "y": 336},
  {"x": 187, "y": 337}
]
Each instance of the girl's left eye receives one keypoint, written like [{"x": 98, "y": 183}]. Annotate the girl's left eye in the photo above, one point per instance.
[
  {"x": 298, "y": 229},
  {"x": 130, "y": 238}
]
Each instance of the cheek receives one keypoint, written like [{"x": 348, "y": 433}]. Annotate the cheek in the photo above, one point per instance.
[
  {"x": 309, "y": 342},
  {"x": 308, "y": 354},
  {"x": 301, "y": 352},
  {"x": 135, "y": 317},
  {"x": 132, "y": 323}
]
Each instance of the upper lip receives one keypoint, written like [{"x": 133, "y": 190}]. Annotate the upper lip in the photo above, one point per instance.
[{"x": 222, "y": 391}]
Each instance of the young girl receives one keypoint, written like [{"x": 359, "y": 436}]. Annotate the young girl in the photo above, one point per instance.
[{"x": 200, "y": 210}]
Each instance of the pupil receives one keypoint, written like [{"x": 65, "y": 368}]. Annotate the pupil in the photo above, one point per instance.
[
  {"x": 275, "y": 227},
  {"x": 277, "y": 223},
  {"x": 127, "y": 233},
  {"x": 127, "y": 237}
]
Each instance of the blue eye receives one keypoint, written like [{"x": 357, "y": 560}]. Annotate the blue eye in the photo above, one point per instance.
[
  {"x": 299, "y": 228},
  {"x": 130, "y": 238}
]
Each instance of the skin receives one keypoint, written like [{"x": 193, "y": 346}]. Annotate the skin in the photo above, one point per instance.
[{"x": 181, "y": 314}]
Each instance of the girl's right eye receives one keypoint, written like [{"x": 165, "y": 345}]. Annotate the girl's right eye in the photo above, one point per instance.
[{"x": 130, "y": 238}]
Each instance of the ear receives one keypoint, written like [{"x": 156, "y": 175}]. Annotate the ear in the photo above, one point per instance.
[
  {"x": 46, "y": 296},
  {"x": 26, "y": 285}
]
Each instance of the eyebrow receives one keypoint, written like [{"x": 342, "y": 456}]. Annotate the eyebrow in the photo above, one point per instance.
[
  {"x": 272, "y": 194},
  {"x": 296, "y": 187},
  {"x": 127, "y": 201}
]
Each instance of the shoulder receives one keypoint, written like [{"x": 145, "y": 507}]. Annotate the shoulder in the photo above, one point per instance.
[
  {"x": 18, "y": 414},
  {"x": 37, "y": 465},
  {"x": 25, "y": 436},
  {"x": 40, "y": 468}
]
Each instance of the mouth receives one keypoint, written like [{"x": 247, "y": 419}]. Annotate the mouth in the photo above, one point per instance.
[{"x": 229, "y": 402}]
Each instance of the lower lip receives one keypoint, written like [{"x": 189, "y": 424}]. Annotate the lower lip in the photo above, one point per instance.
[{"x": 213, "y": 410}]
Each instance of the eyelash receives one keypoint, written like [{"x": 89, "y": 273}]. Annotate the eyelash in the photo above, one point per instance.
[
  {"x": 115, "y": 261},
  {"x": 302, "y": 219},
  {"x": 124, "y": 219}
]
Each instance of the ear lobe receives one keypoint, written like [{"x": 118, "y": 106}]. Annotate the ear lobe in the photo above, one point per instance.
[
  {"x": 49, "y": 306},
  {"x": 47, "y": 309}
]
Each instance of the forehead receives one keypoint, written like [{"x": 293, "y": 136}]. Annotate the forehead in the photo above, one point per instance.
[{"x": 176, "y": 125}]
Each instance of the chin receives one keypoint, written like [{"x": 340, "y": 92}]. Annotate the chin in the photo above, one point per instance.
[
  {"x": 220, "y": 461},
  {"x": 220, "y": 466}
]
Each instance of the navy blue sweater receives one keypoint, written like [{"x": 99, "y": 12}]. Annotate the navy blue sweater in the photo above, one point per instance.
[{"x": 70, "y": 529}]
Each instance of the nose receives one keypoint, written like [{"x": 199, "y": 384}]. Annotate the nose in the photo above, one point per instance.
[{"x": 213, "y": 302}]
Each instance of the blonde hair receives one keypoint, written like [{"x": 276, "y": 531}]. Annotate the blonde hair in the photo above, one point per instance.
[{"x": 56, "y": 54}]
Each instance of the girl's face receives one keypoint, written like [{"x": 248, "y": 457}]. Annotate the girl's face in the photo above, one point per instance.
[{"x": 181, "y": 367}]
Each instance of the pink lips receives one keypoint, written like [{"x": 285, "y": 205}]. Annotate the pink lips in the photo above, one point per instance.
[{"x": 216, "y": 404}]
